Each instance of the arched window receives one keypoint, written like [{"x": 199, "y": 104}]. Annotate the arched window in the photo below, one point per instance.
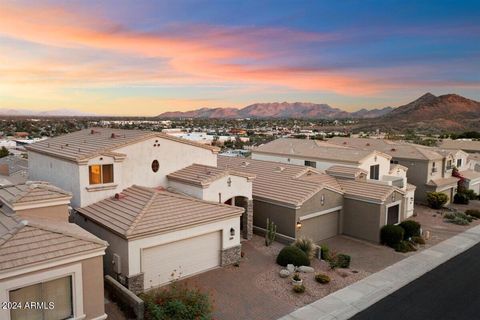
[{"x": 155, "y": 165}]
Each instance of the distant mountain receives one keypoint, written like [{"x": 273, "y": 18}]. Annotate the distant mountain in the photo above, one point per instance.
[
  {"x": 278, "y": 110},
  {"x": 49, "y": 113}
]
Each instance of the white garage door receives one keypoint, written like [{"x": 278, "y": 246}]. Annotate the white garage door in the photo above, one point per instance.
[{"x": 182, "y": 258}]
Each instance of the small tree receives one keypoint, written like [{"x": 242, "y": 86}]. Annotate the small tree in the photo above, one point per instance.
[
  {"x": 4, "y": 152},
  {"x": 270, "y": 233},
  {"x": 436, "y": 200}
]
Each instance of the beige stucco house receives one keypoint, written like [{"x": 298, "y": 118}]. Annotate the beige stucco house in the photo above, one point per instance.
[{"x": 44, "y": 258}]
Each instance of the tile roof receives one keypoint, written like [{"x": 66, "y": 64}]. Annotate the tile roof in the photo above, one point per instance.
[
  {"x": 88, "y": 143},
  {"x": 395, "y": 149},
  {"x": 140, "y": 211},
  {"x": 203, "y": 175},
  {"x": 367, "y": 190},
  {"x": 16, "y": 165},
  {"x": 11, "y": 180},
  {"x": 280, "y": 182},
  {"x": 460, "y": 144},
  {"x": 470, "y": 174},
  {"x": 31, "y": 192},
  {"x": 313, "y": 149},
  {"x": 345, "y": 171},
  {"x": 440, "y": 182},
  {"x": 33, "y": 241}
]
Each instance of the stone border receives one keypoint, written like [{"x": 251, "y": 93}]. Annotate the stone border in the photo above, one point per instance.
[{"x": 346, "y": 302}]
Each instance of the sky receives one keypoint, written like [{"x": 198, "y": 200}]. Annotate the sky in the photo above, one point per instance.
[{"x": 147, "y": 57}]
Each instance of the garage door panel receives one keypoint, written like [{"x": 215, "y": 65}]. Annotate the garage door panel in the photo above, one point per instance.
[
  {"x": 321, "y": 227},
  {"x": 181, "y": 258}
]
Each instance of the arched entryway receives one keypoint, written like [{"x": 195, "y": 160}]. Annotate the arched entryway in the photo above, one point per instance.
[{"x": 246, "y": 221}]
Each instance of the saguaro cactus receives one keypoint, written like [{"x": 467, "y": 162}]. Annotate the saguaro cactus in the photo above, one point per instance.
[{"x": 270, "y": 233}]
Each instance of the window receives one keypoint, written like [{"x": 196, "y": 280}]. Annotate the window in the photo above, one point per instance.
[
  {"x": 374, "y": 172},
  {"x": 459, "y": 163},
  {"x": 393, "y": 216},
  {"x": 58, "y": 291},
  {"x": 155, "y": 165},
  {"x": 99, "y": 174},
  {"x": 312, "y": 164},
  {"x": 449, "y": 164},
  {"x": 394, "y": 161}
]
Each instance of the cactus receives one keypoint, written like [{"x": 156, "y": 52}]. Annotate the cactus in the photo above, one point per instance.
[{"x": 270, "y": 233}]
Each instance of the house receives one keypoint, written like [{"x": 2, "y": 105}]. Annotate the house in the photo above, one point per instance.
[
  {"x": 44, "y": 258},
  {"x": 376, "y": 165},
  {"x": 469, "y": 146},
  {"x": 94, "y": 164},
  {"x": 429, "y": 169},
  {"x": 150, "y": 195},
  {"x": 305, "y": 202},
  {"x": 157, "y": 236},
  {"x": 13, "y": 170}
]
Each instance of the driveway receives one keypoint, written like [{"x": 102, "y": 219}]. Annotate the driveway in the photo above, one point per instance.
[{"x": 448, "y": 292}]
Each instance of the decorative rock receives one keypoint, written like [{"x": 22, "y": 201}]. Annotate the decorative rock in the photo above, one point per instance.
[
  {"x": 284, "y": 273},
  {"x": 291, "y": 268},
  {"x": 305, "y": 269}
]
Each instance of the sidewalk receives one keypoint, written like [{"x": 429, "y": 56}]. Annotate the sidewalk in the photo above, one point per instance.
[{"x": 350, "y": 300}]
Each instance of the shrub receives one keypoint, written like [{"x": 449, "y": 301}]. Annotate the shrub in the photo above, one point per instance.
[
  {"x": 473, "y": 213},
  {"x": 391, "y": 235},
  {"x": 405, "y": 246},
  {"x": 459, "y": 218},
  {"x": 343, "y": 260},
  {"x": 418, "y": 240},
  {"x": 411, "y": 228},
  {"x": 471, "y": 194},
  {"x": 461, "y": 198},
  {"x": 325, "y": 252},
  {"x": 296, "y": 277},
  {"x": 271, "y": 232},
  {"x": 299, "y": 288},
  {"x": 322, "y": 278},
  {"x": 177, "y": 303},
  {"x": 436, "y": 200},
  {"x": 292, "y": 255},
  {"x": 306, "y": 245},
  {"x": 460, "y": 221},
  {"x": 449, "y": 215}
]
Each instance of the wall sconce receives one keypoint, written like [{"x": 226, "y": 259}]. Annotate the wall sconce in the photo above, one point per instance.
[
  {"x": 229, "y": 181},
  {"x": 375, "y": 158},
  {"x": 232, "y": 232},
  {"x": 299, "y": 224},
  {"x": 322, "y": 199},
  {"x": 393, "y": 196}
]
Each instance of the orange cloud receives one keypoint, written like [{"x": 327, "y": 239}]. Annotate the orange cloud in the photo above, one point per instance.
[{"x": 210, "y": 55}]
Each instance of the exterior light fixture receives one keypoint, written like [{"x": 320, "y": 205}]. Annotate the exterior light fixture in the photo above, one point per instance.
[
  {"x": 229, "y": 181},
  {"x": 393, "y": 196},
  {"x": 322, "y": 199},
  {"x": 232, "y": 232},
  {"x": 299, "y": 224}
]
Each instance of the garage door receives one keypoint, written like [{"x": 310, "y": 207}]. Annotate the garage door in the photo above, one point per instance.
[
  {"x": 448, "y": 192},
  {"x": 476, "y": 188},
  {"x": 321, "y": 227},
  {"x": 183, "y": 258}
]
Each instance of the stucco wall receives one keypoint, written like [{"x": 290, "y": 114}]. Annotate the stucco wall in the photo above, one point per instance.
[
  {"x": 418, "y": 174},
  {"x": 116, "y": 245},
  {"x": 362, "y": 219},
  {"x": 59, "y": 212},
  {"x": 282, "y": 216},
  {"x": 93, "y": 296}
]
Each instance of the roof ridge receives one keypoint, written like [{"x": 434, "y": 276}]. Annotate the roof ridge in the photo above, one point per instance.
[
  {"x": 13, "y": 231},
  {"x": 144, "y": 209}
]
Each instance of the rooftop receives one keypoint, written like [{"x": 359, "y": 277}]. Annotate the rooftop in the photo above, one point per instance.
[
  {"x": 32, "y": 191},
  {"x": 313, "y": 149},
  {"x": 141, "y": 211},
  {"x": 89, "y": 143},
  {"x": 367, "y": 190},
  {"x": 27, "y": 242},
  {"x": 472, "y": 146},
  {"x": 283, "y": 183},
  {"x": 440, "y": 182},
  {"x": 203, "y": 175},
  {"x": 345, "y": 172}
]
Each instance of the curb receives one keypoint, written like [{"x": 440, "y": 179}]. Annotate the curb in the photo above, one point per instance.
[{"x": 346, "y": 302}]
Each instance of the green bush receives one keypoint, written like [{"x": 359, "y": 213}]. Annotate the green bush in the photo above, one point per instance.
[
  {"x": 411, "y": 228},
  {"x": 299, "y": 288},
  {"x": 405, "y": 246},
  {"x": 473, "y": 213},
  {"x": 306, "y": 245},
  {"x": 292, "y": 255},
  {"x": 177, "y": 303},
  {"x": 325, "y": 252},
  {"x": 418, "y": 240},
  {"x": 436, "y": 200},
  {"x": 322, "y": 278},
  {"x": 471, "y": 194},
  {"x": 391, "y": 235},
  {"x": 343, "y": 260},
  {"x": 460, "y": 221},
  {"x": 461, "y": 198}
]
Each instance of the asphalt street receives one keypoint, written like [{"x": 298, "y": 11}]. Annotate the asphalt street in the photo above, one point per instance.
[{"x": 451, "y": 291}]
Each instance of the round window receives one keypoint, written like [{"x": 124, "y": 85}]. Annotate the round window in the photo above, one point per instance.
[{"x": 155, "y": 165}]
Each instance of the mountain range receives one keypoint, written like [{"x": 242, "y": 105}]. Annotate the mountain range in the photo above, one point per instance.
[{"x": 278, "y": 110}]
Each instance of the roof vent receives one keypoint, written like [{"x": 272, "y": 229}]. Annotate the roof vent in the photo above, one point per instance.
[
  {"x": 245, "y": 163},
  {"x": 279, "y": 169},
  {"x": 368, "y": 144},
  {"x": 393, "y": 149},
  {"x": 114, "y": 135},
  {"x": 118, "y": 196},
  {"x": 93, "y": 131},
  {"x": 344, "y": 142}
]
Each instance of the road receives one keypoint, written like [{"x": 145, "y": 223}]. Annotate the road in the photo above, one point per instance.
[{"x": 451, "y": 291}]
